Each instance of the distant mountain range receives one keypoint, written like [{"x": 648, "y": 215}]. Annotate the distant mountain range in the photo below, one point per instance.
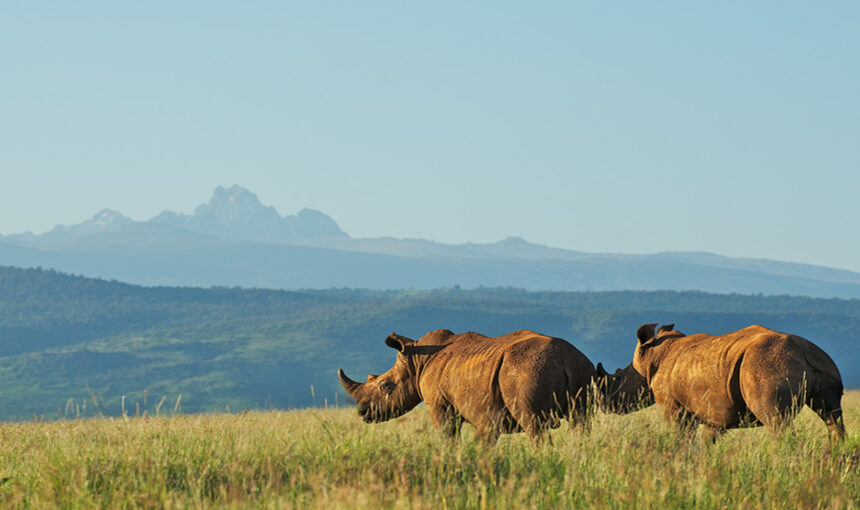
[
  {"x": 234, "y": 240},
  {"x": 232, "y": 213}
]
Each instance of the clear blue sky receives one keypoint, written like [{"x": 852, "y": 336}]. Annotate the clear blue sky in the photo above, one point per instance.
[{"x": 732, "y": 127}]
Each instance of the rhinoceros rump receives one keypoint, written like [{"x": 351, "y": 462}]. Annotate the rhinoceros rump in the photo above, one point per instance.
[
  {"x": 755, "y": 376},
  {"x": 519, "y": 381}
]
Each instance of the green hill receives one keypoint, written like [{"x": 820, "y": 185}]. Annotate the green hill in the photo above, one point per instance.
[{"x": 70, "y": 344}]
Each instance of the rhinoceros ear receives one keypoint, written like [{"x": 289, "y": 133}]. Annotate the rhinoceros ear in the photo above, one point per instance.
[
  {"x": 398, "y": 342},
  {"x": 645, "y": 332},
  {"x": 666, "y": 328},
  {"x": 601, "y": 372}
]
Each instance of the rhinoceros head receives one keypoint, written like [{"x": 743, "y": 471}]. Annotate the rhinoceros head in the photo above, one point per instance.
[
  {"x": 624, "y": 391},
  {"x": 648, "y": 346},
  {"x": 391, "y": 394}
]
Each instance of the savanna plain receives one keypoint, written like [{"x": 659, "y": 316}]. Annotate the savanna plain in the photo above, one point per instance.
[{"x": 329, "y": 458}]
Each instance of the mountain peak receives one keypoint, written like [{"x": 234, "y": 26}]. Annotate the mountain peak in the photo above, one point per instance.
[
  {"x": 237, "y": 206},
  {"x": 104, "y": 220},
  {"x": 109, "y": 218},
  {"x": 236, "y": 213},
  {"x": 231, "y": 213},
  {"x": 235, "y": 194}
]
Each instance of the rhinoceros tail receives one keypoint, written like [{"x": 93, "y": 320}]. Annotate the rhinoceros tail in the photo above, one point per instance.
[
  {"x": 565, "y": 402},
  {"x": 822, "y": 375},
  {"x": 824, "y": 393}
]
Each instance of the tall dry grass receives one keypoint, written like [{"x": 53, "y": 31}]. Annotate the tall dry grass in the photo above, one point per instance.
[{"x": 328, "y": 458}]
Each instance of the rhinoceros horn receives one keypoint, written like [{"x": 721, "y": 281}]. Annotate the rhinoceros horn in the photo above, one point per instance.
[
  {"x": 348, "y": 384},
  {"x": 601, "y": 372}
]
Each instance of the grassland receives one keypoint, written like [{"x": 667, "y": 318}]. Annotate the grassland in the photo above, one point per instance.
[{"x": 328, "y": 458}]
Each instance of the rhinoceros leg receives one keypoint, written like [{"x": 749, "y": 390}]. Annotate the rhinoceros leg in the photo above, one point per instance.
[
  {"x": 829, "y": 409},
  {"x": 530, "y": 405},
  {"x": 712, "y": 432},
  {"x": 774, "y": 412},
  {"x": 835, "y": 424},
  {"x": 535, "y": 426},
  {"x": 493, "y": 421},
  {"x": 772, "y": 400},
  {"x": 444, "y": 417},
  {"x": 675, "y": 413}
]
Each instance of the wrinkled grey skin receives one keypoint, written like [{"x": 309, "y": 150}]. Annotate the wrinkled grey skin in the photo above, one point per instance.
[{"x": 624, "y": 391}]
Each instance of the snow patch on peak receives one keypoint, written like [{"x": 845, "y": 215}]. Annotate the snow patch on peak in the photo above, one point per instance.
[{"x": 109, "y": 218}]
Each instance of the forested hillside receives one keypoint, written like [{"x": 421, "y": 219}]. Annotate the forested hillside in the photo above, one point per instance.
[{"x": 70, "y": 344}]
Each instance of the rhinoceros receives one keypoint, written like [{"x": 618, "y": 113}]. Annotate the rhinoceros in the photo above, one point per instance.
[
  {"x": 754, "y": 376},
  {"x": 623, "y": 391},
  {"x": 522, "y": 381}
]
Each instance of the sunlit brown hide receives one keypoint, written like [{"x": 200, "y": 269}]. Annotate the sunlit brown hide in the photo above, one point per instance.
[
  {"x": 519, "y": 381},
  {"x": 755, "y": 376}
]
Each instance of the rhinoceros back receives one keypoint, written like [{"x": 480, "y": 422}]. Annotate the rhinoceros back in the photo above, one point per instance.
[{"x": 517, "y": 377}]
